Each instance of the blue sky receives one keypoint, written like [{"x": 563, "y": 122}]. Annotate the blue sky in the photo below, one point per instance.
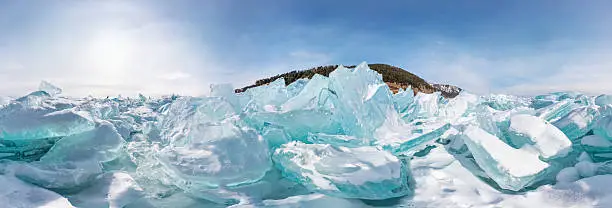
[{"x": 160, "y": 47}]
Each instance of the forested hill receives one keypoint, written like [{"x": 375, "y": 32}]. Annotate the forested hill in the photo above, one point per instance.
[{"x": 395, "y": 77}]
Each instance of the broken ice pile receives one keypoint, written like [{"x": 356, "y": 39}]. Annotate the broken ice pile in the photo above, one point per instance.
[
  {"x": 362, "y": 172},
  {"x": 338, "y": 141}
]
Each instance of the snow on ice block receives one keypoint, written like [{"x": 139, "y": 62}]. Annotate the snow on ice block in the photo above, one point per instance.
[
  {"x": 578, "y": 122},
  {"x": 16, "y": 193},
  {"x": 512, "y": 169},
  {"x": 63, "y": 176},
  {"x": 604, "y": 168},
  {"x": 587, "y": 192},
  {"x": 530, "y": 130},
  {"x": 337, "y": 140},
  {"x": 403, "y": 99},
  {"x": 568, "y": 175},
  {"x": 306, "y": 201},
  {"x": 586, "y": 168},
  {"x": 363, "y": 172},
  {"x": 113, "y": 190}
]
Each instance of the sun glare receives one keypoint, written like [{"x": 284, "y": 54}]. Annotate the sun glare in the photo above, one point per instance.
[
  {"x": 107, "y": 57},
  {"x": 110, "y": 51}
]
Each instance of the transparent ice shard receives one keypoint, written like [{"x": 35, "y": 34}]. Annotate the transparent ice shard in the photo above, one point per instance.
[
  {"x": 209, "y": 158},
  {"x": 458, "y": 107},
  {"x": 49, "y": 88},
  {"x": 400, "y": 137},
  {"x": 363, "y": 99},
  {"x": 74, "y": 160},
  {"x": 556, "y": 111},
  {"x": 26, "y": 133},
  {"x": 403, "y": 99},
  {"x": 603, "y": 100},
  {"x": 25, "y": 124},
  {"x": 578, "y": 122},
  {"x": 504, "y": 102},
  {"x": 314, "y": 92},
  {"x": 226, "y": 92},
  {"x": 424, "y": 106},
  {"x": 209, "y": 148},
  {"x": 273, "y": 94},
  {"x": 275, "y": 136},
  {"x": 603, "y": 127},
  {"x": 99, "y": 144},
  {"x": 420, "y": 139},
  {"x": 363, "y": 172},
  {"x": 296, "y": 87}
]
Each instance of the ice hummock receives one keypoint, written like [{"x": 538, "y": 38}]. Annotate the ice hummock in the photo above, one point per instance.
[
  {"x": 340, "y": 141},
  {"x": 362, "y": 172}
]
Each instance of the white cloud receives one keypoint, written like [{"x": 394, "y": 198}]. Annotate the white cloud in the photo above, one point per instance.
[
  {"x": 583, "y": 69},
  {"x": 591, "y": 75},
  {"x": 457, "y": 70},
  {"x": 175, "y": 75},
  {"x": 309, "y": 56}
]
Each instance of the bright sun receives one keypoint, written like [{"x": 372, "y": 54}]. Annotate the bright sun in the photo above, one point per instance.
[{"x": 109, "y": 55}]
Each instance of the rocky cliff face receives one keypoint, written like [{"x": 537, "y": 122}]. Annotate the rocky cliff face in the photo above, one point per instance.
[{"x": 447, "y": 90}]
